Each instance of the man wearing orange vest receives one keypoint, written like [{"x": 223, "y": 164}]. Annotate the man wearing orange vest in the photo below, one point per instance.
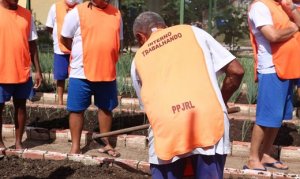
[
  {"x": 275, "y": 41},
  {"x": 92, "y": 32},
  {"x": 17, "y": 50},
  {"x": 286, "y": 6},
  {"x": 175, "y": 76},
  {"x": 54, "y": 23}
]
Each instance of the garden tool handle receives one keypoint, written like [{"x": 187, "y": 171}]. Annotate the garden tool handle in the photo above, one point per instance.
[{"x": 146, "y": 126}]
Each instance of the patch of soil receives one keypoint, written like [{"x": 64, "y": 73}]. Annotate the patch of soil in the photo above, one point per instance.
[{"x": 13, "y": 167}]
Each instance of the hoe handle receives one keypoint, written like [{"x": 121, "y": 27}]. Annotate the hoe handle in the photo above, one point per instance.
[{"x": 146, "y": 126}]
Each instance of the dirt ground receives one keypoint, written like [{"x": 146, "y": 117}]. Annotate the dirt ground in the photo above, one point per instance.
[{"x": 17, "y": 168}]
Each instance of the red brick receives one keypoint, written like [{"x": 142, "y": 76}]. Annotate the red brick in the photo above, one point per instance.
[
  {"x": 33, "y": 154},
  {"x": 121, "y": 141},
  {"x": 55, "y": 156},
  {"x": 13, "y": 152},
  {"x": 126, "y": 163},
  {"x": 257, "y": 174},
  {"x": 88, "y": 160},
  {"x": 136, "y": 141},
  {"x": 76, "y": 157},
  {"x": 290, "y": 153},
  {"x": 144, "y": 167},
  {"x": 8, "y": 130},
  {"x": 240, "y": 148}
]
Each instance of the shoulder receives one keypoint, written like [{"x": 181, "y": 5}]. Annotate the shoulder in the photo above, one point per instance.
[{"x": 258, "y": 6}]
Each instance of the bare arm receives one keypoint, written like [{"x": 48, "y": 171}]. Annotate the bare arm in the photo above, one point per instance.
[
  {"x": 36, "y": 63},
  {"x": 234, "y": 73},
  {"x": 67, "y": 42},
  {"x": 278, "y": 35}
]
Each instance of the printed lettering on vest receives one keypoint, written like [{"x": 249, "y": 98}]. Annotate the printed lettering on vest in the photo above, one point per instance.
[
  {"x": 161, "y": 41},
  {"x": 182, "y": 107}
]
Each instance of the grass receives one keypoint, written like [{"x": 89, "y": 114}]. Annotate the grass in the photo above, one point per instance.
[{"x": 124, "y": 83}]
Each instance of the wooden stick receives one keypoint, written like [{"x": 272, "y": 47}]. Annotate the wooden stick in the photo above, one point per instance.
[{"x": 146, "y": 126}]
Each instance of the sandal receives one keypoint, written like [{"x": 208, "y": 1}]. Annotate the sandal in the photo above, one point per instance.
[{"x": 109, "y": 151}]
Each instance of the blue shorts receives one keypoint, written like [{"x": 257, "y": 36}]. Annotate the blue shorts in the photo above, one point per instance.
[
  {"x": 274, "y": 100},
  {"x": 61, "y": 66},
  {"x": 81, "y": 90},
  {"x": 204, "y": 166},
  {"x": 17, "y": 91}
]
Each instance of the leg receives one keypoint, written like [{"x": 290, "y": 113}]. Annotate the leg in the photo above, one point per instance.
[
  {"x": 20, "y": 119},
  {"x": 105, "y": 121},
  {"x": 258, "y": 135},
  {"x": 269, "y": 139},
  {"x": 1, "y": 111},
  {"x": 106, "y": 100},
  {"x": 79, "y": 98},
  {"x": 60, "y": 71},
  {"x": 76, "y": 125},
  {"x": 60, "y": 85},
  {"x": 168, "y": 171}
]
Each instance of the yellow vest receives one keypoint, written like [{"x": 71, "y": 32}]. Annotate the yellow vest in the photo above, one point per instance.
[
  {"x": 179, "y": 99},
  {"x": 285, "y": 54},
  {"x": 100, "y": 32},
  {"x": 15, "y": 58}
]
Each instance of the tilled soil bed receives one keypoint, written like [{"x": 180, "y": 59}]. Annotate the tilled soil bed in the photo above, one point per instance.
[{"x": 13, "y": 167}]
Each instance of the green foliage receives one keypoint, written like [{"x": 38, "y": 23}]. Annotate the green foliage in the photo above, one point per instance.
[
  {"x": 251, "y": 85},
  {"x": 232, "y": 24},
  {"x": 46, "y": 62},
  {"x": 124, "y": 82},
  {"x": 130, "y": 9}
]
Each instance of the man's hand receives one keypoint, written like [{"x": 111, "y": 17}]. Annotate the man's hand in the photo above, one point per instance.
[{"x": 38, "y": 80}]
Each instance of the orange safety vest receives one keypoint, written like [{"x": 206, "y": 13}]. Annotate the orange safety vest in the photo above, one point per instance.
[
  {"x": 285, "y": 54},
  {"x": 179, "y": 99},
  {"x": 61, "y": 11},
  {"x": 100, "y": 32},
  {"x": 15, "y": 58}
]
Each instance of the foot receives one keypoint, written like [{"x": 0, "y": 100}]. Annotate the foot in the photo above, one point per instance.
[
  {"x": 19, "y": 146},
  {"x": 269, "y": 161},
  {"x": 110, "y": 151},
  {"x": 75, "y": 150},
  {"x": 254, "y": 165}
]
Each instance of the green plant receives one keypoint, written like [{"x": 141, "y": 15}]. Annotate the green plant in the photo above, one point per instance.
[
  {"x": 124, "y": 82},
  {"x": 251, "y": 90}
]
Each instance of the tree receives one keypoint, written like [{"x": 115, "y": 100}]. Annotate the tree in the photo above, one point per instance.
[
  {"x": 130, "y": 9},
  {"x": 232, "y": 24}
]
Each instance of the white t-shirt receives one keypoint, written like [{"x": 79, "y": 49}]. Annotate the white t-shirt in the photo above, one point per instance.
[
  {"x": 33, "y": 34},
  {"x": 260, "y": 15},
  {"x": 216, "y": 57},
  {"x": 51, "y": 22},
  {"x": 71, "y": 29}
]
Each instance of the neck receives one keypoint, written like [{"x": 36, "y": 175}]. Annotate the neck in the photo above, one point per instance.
[
  {"x": 102, "y": 6},
  {"x": 6, "y": 5}
]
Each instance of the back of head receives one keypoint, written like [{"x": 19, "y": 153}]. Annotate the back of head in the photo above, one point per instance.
[{"x": 147, "y": 21}]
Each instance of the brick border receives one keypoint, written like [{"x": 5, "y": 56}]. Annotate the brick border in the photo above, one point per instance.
[
  {"x": 238, "y": 148},
  {"x": 132, "y": 165}
]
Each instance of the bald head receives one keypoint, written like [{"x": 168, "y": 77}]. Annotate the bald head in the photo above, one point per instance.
[{"x": 146, "y": 21}]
